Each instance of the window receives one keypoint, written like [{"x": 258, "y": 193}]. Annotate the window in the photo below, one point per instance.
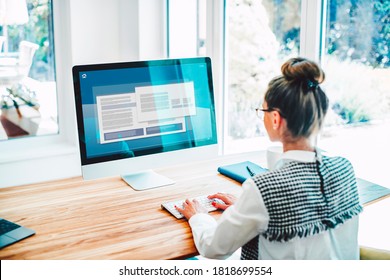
[
  {"x": 260, "y": 36},
  {"x": 356, "y": 61},
  {"x": 54, "y": 156},
  {"x": 357, "y": 53},
  {"x": 351, "y": 40},
  {"x": 28, "y": 83}
]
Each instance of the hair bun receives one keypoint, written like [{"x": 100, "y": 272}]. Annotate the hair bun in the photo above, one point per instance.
[{"x": 303, "y": 70}]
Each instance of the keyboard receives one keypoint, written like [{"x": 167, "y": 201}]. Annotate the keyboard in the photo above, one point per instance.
[
  {"x": 7, "y": 226},
  {"x": 11, "y": 232},
  {"x": 203, "y": 200}
]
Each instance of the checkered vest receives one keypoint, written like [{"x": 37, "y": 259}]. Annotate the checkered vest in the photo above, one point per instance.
[{"x": 304, "y": 199}]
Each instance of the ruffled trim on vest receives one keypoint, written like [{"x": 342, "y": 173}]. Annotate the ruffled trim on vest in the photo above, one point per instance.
[{"x": 286, "y": 234}]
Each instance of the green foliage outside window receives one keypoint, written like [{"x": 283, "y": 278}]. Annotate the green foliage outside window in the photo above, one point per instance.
[
  {"x": 359, "y": 30},
  {"x": 37, "y": 30},
  {"x": 263, "y": 33}
]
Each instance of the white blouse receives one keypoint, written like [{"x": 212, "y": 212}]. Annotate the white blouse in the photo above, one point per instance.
[{"x": 248, "y": 217}]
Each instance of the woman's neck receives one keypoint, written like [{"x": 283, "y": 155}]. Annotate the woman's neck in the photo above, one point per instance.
[{"x": 302, "y": 144}]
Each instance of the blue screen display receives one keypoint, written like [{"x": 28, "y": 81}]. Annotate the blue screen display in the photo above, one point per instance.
[{"x": 140, "y": 108}]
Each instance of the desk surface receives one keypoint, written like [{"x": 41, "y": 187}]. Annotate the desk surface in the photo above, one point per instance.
[{"x": 106, "y": 219}]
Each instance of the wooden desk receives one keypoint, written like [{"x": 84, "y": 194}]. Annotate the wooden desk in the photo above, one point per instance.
[{"x": 106, "y": 219}]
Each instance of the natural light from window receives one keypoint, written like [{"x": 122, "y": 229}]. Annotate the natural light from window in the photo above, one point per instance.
[
  {"x": 260, "y": 36},
  {"x": 28, "y": 96},
  {"x": 357, "y": 66}
]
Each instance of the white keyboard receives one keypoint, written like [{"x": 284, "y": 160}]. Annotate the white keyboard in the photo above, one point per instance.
[{"x": 203, "y": 200}]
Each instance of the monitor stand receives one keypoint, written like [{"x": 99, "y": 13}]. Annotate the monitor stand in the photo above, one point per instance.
[{"x": 146, "y": 180}]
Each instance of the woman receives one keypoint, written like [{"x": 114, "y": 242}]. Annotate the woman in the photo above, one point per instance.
[{"x": 306, "y": 208}]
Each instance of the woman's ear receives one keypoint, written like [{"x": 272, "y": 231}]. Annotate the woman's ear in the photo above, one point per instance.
[{"x": 276, "y": 120}]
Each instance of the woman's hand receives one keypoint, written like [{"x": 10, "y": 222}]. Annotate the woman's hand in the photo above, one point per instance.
[
  {"x": 228, "y": 200},
  {"x": 190, "y": 208}
]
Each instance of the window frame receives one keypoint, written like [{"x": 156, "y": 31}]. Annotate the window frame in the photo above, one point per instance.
[
  {"x": 312, "y": 29},
  {"x": 43, "y": 158}
]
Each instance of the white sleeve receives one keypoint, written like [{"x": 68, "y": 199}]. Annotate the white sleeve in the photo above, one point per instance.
[{"x": 237, "y": 225}]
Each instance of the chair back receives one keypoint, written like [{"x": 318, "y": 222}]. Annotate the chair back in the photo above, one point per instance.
[
  {"x": 26, "y": 55},
  {"x": 2, "y": 40}
]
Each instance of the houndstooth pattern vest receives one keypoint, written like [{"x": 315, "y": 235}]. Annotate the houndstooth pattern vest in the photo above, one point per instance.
[{"x": 305, "y": 199}]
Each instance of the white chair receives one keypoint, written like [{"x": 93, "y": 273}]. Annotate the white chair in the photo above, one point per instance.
[
  {"x": 26, "y": 54},
  {"x": 15, "y": 70},
  {"x": 2, "y": 40}
]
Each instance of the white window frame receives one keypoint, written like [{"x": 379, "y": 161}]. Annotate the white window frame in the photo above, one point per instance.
[
  {"x": 215, "y": 48},
  {"x": 312, "y": 27},
  {"x": 42, "y": 158}
]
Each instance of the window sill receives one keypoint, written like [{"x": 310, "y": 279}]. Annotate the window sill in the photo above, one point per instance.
[
  {"x": 39, "y": 164},
  {"x": 26, "y": 153}
]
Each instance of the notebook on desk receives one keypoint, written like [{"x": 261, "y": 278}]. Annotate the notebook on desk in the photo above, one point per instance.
[{"x": 239, "y": 172}]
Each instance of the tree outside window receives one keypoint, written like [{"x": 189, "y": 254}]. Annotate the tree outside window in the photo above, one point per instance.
[{"x": 29, "y": 101}]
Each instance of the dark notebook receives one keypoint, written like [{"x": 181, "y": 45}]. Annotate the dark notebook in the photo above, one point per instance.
[{"x": 239, "y": 172}]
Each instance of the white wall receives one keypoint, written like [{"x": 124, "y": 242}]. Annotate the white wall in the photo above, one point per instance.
[
  {"x": 94, "y": 31},
  {"x": 117, "y": 30}
]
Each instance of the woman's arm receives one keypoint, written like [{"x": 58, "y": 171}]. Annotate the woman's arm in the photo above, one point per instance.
[{"x": 238, "y": 224}]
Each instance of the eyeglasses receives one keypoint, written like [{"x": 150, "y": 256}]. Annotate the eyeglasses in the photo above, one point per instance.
[{"x": 260, "y": 112}]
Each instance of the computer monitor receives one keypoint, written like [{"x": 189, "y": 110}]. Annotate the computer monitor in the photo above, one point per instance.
[{"x": 134, "y": 117}]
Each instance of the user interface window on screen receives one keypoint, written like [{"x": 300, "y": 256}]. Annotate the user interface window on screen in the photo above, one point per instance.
[{"x": 143, "y": 110}]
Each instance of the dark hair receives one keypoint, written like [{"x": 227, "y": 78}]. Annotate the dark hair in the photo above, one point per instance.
[{"x": 298, "y": 97}]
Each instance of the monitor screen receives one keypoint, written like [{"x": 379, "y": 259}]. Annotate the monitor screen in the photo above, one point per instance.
[{"x": 132, "y": 110}]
